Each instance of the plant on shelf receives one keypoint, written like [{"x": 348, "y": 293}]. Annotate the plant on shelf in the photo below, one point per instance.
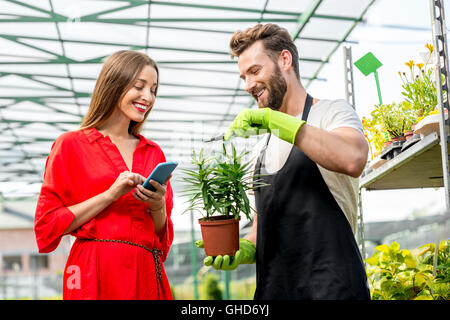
[
  {"x": 395, "y": 274},
  {"x": 395, "y": 121},
  {"x": 394, "y": 118},
  {"x": 374, "y": 136},
  {"x": 210, "y": 289},
  {"x": 217, "y": 188},
  {"x": 419, "y": 86}
]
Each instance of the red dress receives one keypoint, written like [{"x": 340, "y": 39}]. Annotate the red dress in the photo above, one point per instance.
[{"x": 81, "y": 165}]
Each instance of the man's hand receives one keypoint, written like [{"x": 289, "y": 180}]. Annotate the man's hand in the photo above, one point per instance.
[
  {"x": 245, "y": 255},
  {"x": 255, "y": 121}
]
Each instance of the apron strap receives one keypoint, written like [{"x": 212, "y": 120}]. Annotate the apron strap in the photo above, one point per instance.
[{"x": 307, "y": 107}]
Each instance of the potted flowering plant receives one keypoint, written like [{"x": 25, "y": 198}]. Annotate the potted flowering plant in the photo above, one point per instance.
[
  {"x": 394, "y": 123},
  {"x": 393, "y": 119},
  {"x": 419, "y": 86},
  {"x": 216, "y": 188}
]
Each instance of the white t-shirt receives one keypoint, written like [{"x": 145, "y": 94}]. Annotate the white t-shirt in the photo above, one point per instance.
[{"x": 326, "y": 115}]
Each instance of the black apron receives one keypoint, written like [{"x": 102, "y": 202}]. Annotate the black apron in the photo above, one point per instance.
[{"x": 305, "y": 246}]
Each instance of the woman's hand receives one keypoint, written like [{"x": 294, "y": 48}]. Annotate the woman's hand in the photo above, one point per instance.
[
  {"x": 88, "y": 209},
  {"x": 155, "y": 199},
  {"x": 124, "y": 183}
]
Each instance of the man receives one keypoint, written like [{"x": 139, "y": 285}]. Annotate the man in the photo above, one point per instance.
[{"x": 303, "y": 234}]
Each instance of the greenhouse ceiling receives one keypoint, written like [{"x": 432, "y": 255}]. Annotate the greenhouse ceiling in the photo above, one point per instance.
[{"x": 51, "y": 52}]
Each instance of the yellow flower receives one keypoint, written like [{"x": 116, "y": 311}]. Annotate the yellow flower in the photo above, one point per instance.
[
  {"x": 429, "y": 47},
  {"x": 420, "y": 65},
  {"x": 410, "y": 63}
]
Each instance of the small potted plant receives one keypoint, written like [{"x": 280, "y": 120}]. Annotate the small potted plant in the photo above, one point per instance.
[
  {"x": 216, "y": 188},
  {"x": 419, "y": 86},
  {"x": 395, "y": 119}
]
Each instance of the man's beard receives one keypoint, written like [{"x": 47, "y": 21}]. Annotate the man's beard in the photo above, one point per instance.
[{"x": 276, "y": 87}]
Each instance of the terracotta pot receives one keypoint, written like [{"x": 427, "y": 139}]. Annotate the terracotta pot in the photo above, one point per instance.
[
  {"x": 408, "y": 134},
  {"x": 402, "y": 138},
  {"x": 387, "y": 143},
  {"x": 220, "y": 235}
]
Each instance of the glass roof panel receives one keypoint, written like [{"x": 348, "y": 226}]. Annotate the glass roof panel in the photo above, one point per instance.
[
  {"x": 288, "y": 6},
  {"x": 327, "y": 28},
  {"x": 13, "y": 49},
  {"x": 13, "y": 9},
  {"x": 314, "y": 49},
  {"x": 51, "y": 53},
  {"x": 70, "y": 8},
  {"x": 254, "y": 4},
  {"x": 217, "y": 12},
  {"x": 26, "y": 28},
  {"x": 343, "y": 8}
]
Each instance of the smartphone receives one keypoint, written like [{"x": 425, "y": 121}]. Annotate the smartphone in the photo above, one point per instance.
[{"x": 160, "y": 174}]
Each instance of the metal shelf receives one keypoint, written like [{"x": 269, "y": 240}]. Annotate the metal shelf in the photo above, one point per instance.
[
  {"x": 420, "y": 166},
  {"x": 426, "y": 163}
]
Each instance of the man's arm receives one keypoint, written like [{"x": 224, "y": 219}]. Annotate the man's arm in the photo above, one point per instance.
[{"x": 342, "y": 150}]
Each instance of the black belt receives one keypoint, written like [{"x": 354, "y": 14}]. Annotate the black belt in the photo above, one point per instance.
[{"x": 155, "y": 252}]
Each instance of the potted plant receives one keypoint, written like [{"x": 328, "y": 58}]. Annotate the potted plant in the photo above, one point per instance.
[
  {"x": 396, "y": 122},
  {"x": 216, "y": 188},
  {"x": 419, "y": 86},
  {"x": 395, "y": 118}
]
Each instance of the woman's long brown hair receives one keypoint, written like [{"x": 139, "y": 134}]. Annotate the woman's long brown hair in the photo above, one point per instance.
[{"x": 116, "y": 77}]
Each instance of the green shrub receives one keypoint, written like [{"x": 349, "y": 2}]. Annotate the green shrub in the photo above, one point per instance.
[
  {"x": 210, "y": 288},
  {"x": 395, "y": 274}
]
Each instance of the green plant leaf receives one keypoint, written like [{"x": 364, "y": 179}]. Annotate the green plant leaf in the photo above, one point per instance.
[{"x": 382, "y": 248}]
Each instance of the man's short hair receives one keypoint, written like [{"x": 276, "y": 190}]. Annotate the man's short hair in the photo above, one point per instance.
[{"x": 274, "y": 38}]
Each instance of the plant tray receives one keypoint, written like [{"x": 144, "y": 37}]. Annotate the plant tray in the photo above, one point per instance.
[
  {"x": 409, "y": 143},
  {"x": 376, "y": 162},
  {"x": 394, "y": 149}
]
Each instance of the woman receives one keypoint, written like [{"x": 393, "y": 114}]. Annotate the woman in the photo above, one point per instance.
[{"x": 93, "y": 190}]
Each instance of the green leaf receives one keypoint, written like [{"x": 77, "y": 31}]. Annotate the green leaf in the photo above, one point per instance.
[
  {"x": 373, "y": 260},
  {"x": 382, "y": 248},
  {"x": 424, "y": 297},
  {"x": 219, "y": 183}
]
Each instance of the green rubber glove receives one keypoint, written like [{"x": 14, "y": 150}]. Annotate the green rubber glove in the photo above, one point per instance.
[
  {"x": 255, "y": 121},
  {"x": 245, "y": 255}
]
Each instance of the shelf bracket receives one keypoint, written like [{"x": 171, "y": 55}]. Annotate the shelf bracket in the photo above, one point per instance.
[
  {"x": 439, "y": 29},
  {"x": 348, "y": 74},
  {"x": 350, "y": 97},
  {"x": 441, "y": 53}
]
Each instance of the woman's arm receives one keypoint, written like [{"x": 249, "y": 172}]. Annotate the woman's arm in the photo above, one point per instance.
[
  {"x": 156, "y": 202},
  {"x": 159, "y": 219}
]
